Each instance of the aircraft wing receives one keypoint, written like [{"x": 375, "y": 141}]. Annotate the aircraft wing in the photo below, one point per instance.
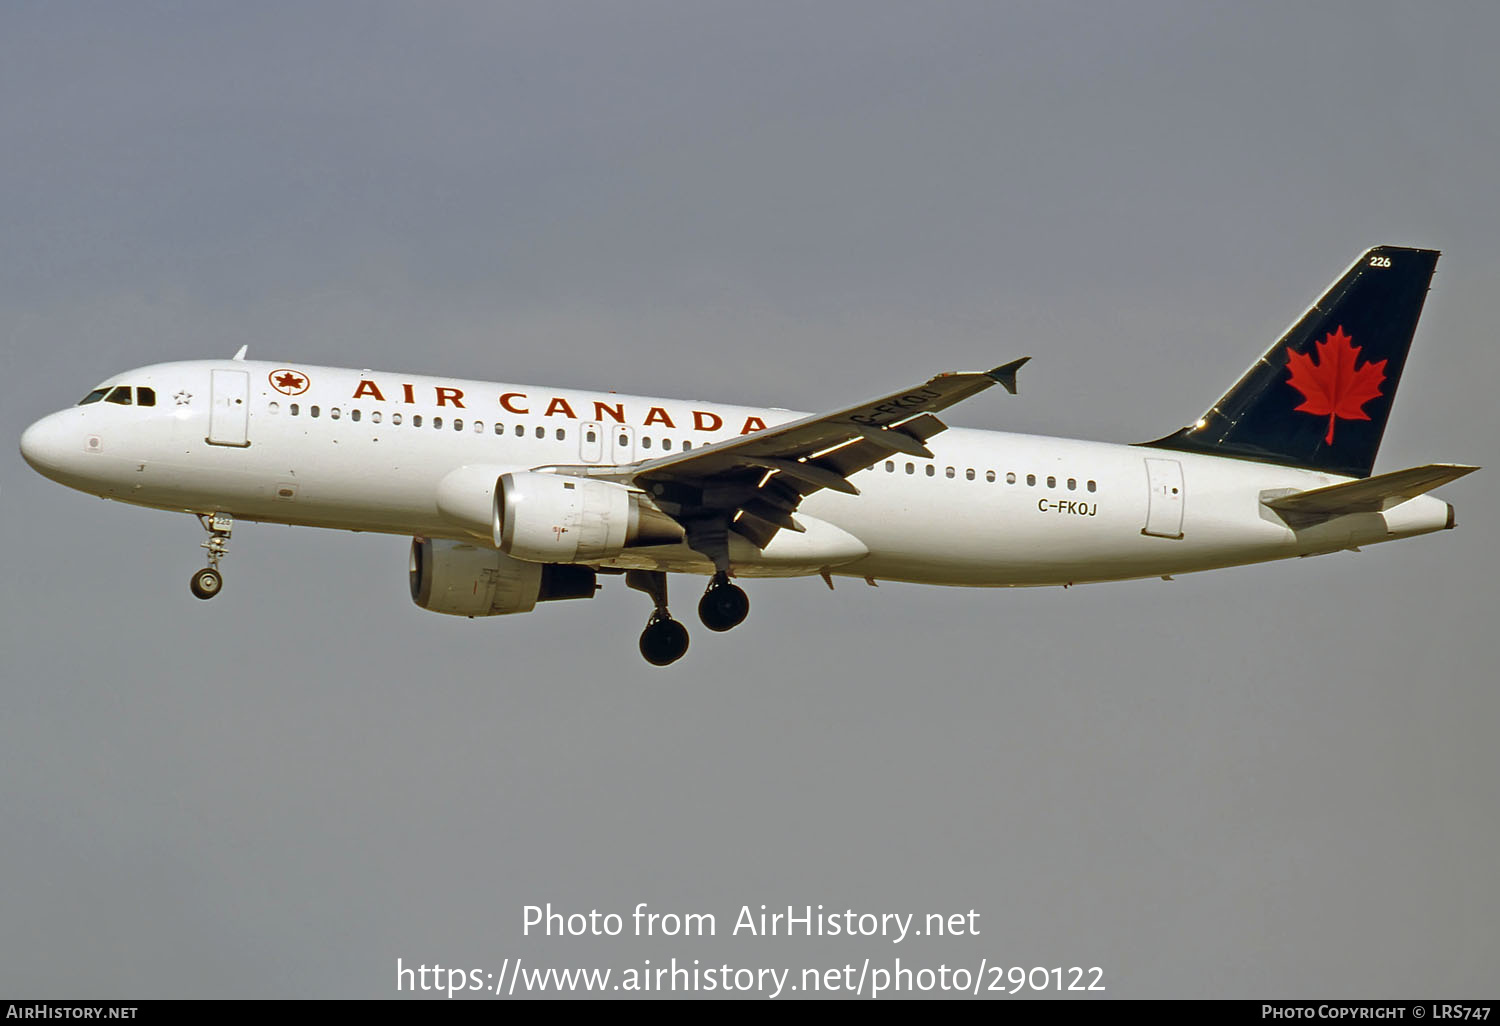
[{"x": 753, "y": 484}]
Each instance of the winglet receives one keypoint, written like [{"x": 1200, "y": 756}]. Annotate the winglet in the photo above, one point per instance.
[
  {"x": 241, "y": 354},
  {"x": 1006, "y": 375}
]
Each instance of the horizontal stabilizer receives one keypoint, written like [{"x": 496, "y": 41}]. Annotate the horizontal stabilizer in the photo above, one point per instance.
[{"x": 1372, "y": 495}]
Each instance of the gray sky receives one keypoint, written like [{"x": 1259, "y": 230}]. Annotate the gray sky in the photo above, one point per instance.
[{"x": 1277, "y": 780}]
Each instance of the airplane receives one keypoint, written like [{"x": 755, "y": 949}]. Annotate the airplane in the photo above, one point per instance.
[{"x": 517, "y": 494}]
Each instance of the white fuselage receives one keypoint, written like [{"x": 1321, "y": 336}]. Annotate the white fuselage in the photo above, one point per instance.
[{"x": 366, "y": 450}]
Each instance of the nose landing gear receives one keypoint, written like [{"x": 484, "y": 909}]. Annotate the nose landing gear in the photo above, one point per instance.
[
  {"x": 724, "y": 606},
  {"x": 664, "y": 641},
  {"x": 208, "y": 582}
]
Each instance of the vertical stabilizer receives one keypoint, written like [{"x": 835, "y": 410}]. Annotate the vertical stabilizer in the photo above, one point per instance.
[{"x": 1320, "y": 398}]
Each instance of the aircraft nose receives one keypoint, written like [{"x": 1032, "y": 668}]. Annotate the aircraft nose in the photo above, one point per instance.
[{"x": 42, "y": 444}]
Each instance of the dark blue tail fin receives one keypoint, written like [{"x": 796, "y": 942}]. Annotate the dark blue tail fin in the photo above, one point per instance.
[{"x": 1320, "y": 398}]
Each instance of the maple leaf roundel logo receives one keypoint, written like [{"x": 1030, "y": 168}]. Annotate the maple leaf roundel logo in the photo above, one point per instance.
[
  {"x": 1337, "y": 386},
  {"x": 289, "y": 382}
]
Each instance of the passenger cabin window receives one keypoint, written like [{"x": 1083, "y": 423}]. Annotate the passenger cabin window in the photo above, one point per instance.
[
  {"x": 334, "y": 413},
  {"x": 520, "y": 430},
  {"x": 354, "y": 415},
  {"x": 1072, "y": 483},
  {"x": 989, "y": 475},
  {"x": 312, "y": 411},
  {"x": 561, "y": 434},
  {"x": 145, "y": 397},
  {"x": 969, "y": 474},
  {"x": 931, "y": 470},
  {"x": 1092, "y": 486},
  {"x": 395, "y": 418},
  {"x": 416, "y": 420},
  {"x": 94, "y": 396},
  {"x": 437, "y": 422},
  {"x": 499, "y": 428},
  {"x": 1051, "y": 481},
  {"x": 686, "y": 446},
  {"x": 458, "y": 424},
  {"x": 645, "y": 441},
  {"x": 950, "y": 472},
  {"x": 273, "y": 406},
  {"x": 890, "y": 466},
  {"x": 374, "y": 416},
  {"x": 120, "y": 394},
  {"x": 1010, "y": 477},
  {"x": 541, "y": 432},
  {"x": 1031, "y": 480},
  {"x": 294, "y": 409}
]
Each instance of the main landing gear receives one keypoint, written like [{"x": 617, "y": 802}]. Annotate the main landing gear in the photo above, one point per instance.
[
  {"x": 665, "y": 640},
  {"x": 208, "y": 582},
  {"x": 724, "y": 606}
]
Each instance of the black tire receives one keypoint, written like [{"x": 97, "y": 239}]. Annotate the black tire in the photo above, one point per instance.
[
  {"x": 664, "y": 641},
  {"x": 723, "y": 607},
  {"x": 206, "y": 583}
]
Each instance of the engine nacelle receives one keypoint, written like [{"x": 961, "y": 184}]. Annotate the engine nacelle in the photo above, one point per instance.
[
  {"x": 551, "y": 518},
  {"x": 468, "y": 580},
  {"x": 466, "y": 497}
]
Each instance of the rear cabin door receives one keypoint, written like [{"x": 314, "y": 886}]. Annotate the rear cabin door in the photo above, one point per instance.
[
  {"x": 229, "y": 408},
  {"x": 1164, "y": 509}
]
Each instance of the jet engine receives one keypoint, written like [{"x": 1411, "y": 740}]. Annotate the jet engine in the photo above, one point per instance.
[
  {"x": 551, "y": 518},
  {"x": 468, "y": 580}
]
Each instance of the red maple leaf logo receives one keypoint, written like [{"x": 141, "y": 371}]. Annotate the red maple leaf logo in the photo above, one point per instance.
[
  {"x": 1334, "y": 387},
  {"x": 289, "y": 382}
]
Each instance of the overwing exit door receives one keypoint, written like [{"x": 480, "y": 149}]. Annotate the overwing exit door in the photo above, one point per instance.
[
  {"x": 591, "y": 442},
  {"x": 622, "y": 443}
]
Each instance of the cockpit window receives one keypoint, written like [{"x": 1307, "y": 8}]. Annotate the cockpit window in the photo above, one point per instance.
[
  {"x": 94, "y": 396},
  {"x": 120, "y": 394},
  {"x": 145, "y": 397}
]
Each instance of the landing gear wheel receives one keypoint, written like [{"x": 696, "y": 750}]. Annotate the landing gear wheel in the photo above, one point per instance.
[
  {"x": 206, "y": 583},
  {"x": 664, "y": 641},
  {"x": 724, "y": 606}
]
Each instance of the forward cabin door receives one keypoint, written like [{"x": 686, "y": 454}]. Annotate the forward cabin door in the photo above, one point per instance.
[
  {"x": 229, "y": 408},
  {"x": 1164, "y": 508}
]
